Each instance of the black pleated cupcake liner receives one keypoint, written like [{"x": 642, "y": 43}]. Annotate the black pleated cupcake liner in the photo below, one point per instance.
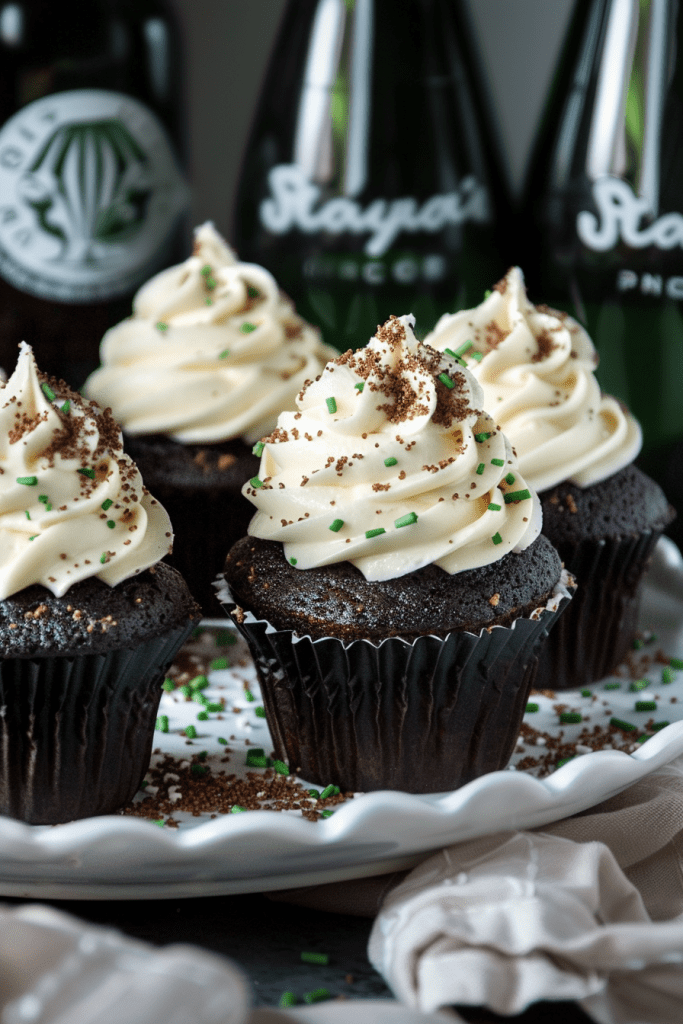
[
  {"x": 76, "y": 732},
  {"x": 206, "y": 524},
  {"x": 421, "y": 716},
  {"x": 597, "y": 631}
]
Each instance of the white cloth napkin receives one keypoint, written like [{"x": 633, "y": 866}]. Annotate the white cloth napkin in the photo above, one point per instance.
[{"x": 590, "y": 909}]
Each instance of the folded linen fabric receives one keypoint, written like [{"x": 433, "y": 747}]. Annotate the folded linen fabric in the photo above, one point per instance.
[{"x": 590, "y": 909}]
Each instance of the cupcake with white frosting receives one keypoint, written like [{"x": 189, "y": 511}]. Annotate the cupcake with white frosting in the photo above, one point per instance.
[
  {"x": 393, "y": 587},
  {"x": 90, "y": 617},
  {"x": 576, "y": 446},
  {"x": 211, "y": 355}
]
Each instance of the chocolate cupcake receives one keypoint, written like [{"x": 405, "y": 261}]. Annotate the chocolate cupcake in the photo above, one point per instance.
[
  {"x": 213, "y": 352},
  {"x": 393, "y": 589},
  {"x": 575, "y": 447},
  {"x": 90, "y": 618}
]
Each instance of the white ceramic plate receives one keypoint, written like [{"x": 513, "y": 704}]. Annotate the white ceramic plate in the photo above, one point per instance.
[{"x": 119, "y": 857}]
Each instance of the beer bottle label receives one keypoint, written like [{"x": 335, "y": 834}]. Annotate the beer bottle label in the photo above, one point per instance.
[{"x": 90, "y": 191}]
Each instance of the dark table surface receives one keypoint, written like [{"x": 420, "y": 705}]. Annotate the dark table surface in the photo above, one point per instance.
[{"x": 266, "y": 938}]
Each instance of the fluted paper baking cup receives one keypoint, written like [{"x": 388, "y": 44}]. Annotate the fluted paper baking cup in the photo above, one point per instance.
[
  {"x": 418, "y": 716},
  {"x": 76, "y": 732},
  {"x": 596, "y": 633}
]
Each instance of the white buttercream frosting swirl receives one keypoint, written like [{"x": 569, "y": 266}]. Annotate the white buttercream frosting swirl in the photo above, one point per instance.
[
  {"x": 72, "y": 504},
  {"x": 537, "y": 368},
  {"x": 390, "y": 464},
  {"x": 213, "y": 351}
]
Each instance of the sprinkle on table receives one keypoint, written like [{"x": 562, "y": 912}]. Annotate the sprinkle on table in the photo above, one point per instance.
[
  {"x": 168, "y": 685},
  {"x": 612, "y": 686},
  {"x": 638, "y": 685},
  {"x": 87, "y": 471},
  {"x": 531, "y": 707},
  {"x": 219, "y": 663},
  {"x": 48, "y": 392},
  {"x": 484, "y": 436},
  {"x": 336, "y": 525},
  {"x": 247, "y": 328},
  {"x": 492, "y": 507},
  {"x": 667, "y": 675},
  {"x": 280, "y": 767},
  {"x": 287, "y": 999},
  {"x": 315, "y": 958},
  {"x": 198, "y": 683},
  {"x": 326, "y": 814},
  {"x": 237, "y": 809},
  {"x": 391, "y": 461},
  {"x": 259, "y": 712},
  {"x": 480, "y": 468},
  {"x": 329, "y": 791},
  {"x": 249, "y": 697},
  {"x": 369, "y": 534},
  {"x": 512, "y": 496},
  {"x": 619, "y": 723},
  {"x": 645, "y": 705},
  {"x": 256, "y": 760},
  {"x": 448, "y": 381},
  {"x": 331, "y": 404},
  {"x": 656, "y": 726},
  {"x": 257, "y": 450},
  {"x": 162, "y": 723},
  {"x": 586, "y": 693},
  {"x": 28, "y": 481},
  {"x": 497, "y": 539},
  {"x": 190, "y": 732},
  {"x": 676, "y": 663},
  {"x": 570, "y": 717},
  {"x": 317, "y": 995},
  {"x": 407, "y": 520}
]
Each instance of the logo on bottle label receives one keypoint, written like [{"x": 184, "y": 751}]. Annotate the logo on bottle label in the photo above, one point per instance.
[
  {"x": 293, "y": 200},
  {"x": 619, "y": 215},
  {"x": 89, "y": 193}
]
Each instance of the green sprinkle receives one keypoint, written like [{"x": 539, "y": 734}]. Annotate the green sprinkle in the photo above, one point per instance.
[
  {"x": 202, "y": 716},
  {"x": 209, "y": 302},
  {"x": 497, "y": 462},
  {"x": 638, "y": 685},
  {"x": 314, "y": 793},
  {"x": 292, "y": 561},
  {"x": 391, "y": 461},
  {"x": 482, "y": 437},
  {"x": 256, "y": 760},
  {"x": 199, "y": 769},
  {"x": 252, "y": 292},
  {"x": 480, "y": 468},
  {"x": 158, "y": 821},
  {"x": 487, "y": 293},
  {"x": 213, "y": 706},
  {"x": 161, "y": 326},
  {"x": 641, "y": 739},
  {"x": 205, "y": 271},
  {"x": 110, "y": 522},
  {"x": 224, "y": 354},
  {"x": 249, "y": 696},
  {"x": 676, "y": 663},
  {"x": 186, "y": 691},
  {"x": 48, "y": 392},
  {"x": 407, "y": 520},
  {"x": 222, "y": 740},
  {"x": 646, "y": 705},
  {"x": 512, "y": 496},
  {"x": 564, "y": 760},
  {"x": 336, "y": 525},
  {"x": 43, "y": 498},
  {"x": 259, "y": 712},
  {"x": 87, "y": 471},
  {"x": 656, "y": 726},
  {"x": 586, "y": 693},
  {"x": 360, "y": 385},
  {"x": 106, "y": 504},
  {"x": 374, "y": 533},
  {"x": 28, "y": 481},
  {"x": 510, "y": 478},
  {"x": 191, "y": 732},
  {"x": 224, "y": 638},
  {"x": 202, "y": 755},
  {"x": 33, "y": 537},
  {"x": 531, "y": 707},
  {"x": 211, "y": 284},
  {"x": 162, "y": 723},
  {"x": 329, "y": 791},
  {"x": 612, "y": 686},
  {"x": 478, "y": 356},
  {"x": 258, "y": 449},
  {"x": 218, "y": 663},
  {"x": 315, "y": 958},
  {"x": 326, "y": 814},
  {"x": 103, "y": 557},
  {"x": 667, "y": 676},
  {"x": 448, "y": 381},
  {"x": 257, "y": 751},
  {"x": 465, "y": 347},
  {"x": 619, "y": 723},
  {"x": 28, "y": 514},
  {"x": 570, "y": 717},
  {"x": 287, "y": 999},
  {"x": 198, "y": 683},
  {"x": 256, "y": 483},
  {"x": 48, "y": 507},
  {"x": 168, "y": 685},
  {"x": 638, "y": 643},
  {"x": 247, "y": 328},
  {"x": 197, "y": 632},
  {"x": 316, "y": 996},
  {"x": 331, "y": 404},
  {"x": 281, "y": 768},
  {"x": 66, "y": 406},
  {"x": 200, "y": 698},
  {"x": 237, "y": 809},
  {"x": 492, "y": 507},
  {"x": 497, "y": 539}
]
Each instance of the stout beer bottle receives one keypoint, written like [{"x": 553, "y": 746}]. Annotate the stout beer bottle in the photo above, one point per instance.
[
  {"x": 367, "y": 185},
  {"x": 90, "y": 187},
  {"x": 603, "y": 207}
]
